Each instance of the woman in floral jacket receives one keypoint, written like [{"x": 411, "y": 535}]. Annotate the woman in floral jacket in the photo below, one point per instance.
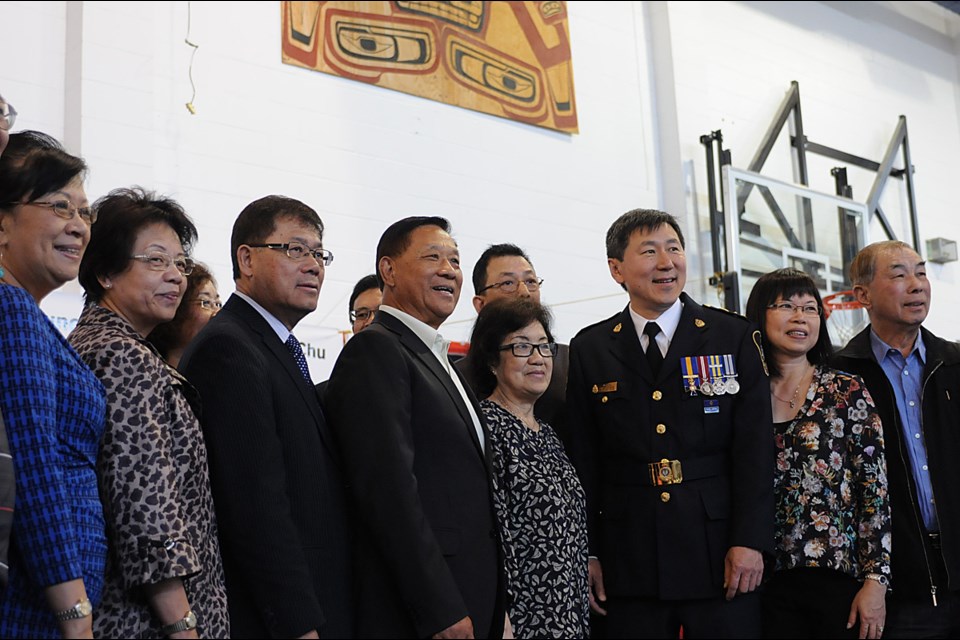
[{"x": 832, "y": 565}]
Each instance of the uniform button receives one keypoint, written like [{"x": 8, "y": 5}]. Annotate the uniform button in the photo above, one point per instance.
[
  {"x": 661, "y": 429},
  {"x": 657, "y": 395},
  {"x": 604, "y": 399},
  {"x": 664, "y": 497}
]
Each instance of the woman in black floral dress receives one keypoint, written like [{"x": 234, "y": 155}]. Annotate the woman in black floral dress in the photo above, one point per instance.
[
  {"x": 540, "y": 503},
  {"x": 833, "y": 512}
]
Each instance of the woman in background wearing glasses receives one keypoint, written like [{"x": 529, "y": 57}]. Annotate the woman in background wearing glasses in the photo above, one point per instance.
[
  {"x": 832, "y": 509},
  {"x": 53, "y": 406},
  {"x": 164, "y": 573},
  {"x": 200, "y": 303},
  {"x": 540, "y": 503}
]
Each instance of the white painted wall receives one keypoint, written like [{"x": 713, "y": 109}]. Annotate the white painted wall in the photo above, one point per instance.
[{"x": 364, "y": 157}]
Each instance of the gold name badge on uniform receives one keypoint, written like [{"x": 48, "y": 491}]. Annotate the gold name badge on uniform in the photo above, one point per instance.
[{"x": 607, "y": 387}]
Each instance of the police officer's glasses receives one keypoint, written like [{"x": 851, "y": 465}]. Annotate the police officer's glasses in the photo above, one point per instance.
[
  {"x": 525, "y": 349},
  {"x": 298, "y": 251},
  {"x": 789, "y": 308},
  {"x": 511, "y": 286}
]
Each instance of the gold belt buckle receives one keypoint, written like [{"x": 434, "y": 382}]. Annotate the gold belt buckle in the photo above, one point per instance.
[{"x": 665, "y": 472}]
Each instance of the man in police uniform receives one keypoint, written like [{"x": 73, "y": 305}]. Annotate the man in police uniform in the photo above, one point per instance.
[{"x": 673, "y": 441}]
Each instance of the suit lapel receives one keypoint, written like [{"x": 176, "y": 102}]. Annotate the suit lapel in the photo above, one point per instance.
[
  {"x": 284, "y": 359},
  {"x": 410, "y": 340}
]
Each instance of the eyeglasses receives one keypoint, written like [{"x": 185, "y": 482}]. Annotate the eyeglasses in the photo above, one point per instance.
[
  {"x": 66, "y": 210},
  {"x": 363, "y": 314},
  {"x": 525, "y": 349},
  {"x": 210, "y": 305},
  {"x": 299, "y": 251},
  {"x": 160, "y": 261},
  {"x": 511, "y": 286},
  {"x": 789, "y": 308},
  {"x": 8, "y": 115}
]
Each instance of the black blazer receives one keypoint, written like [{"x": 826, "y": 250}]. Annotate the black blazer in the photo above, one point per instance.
[
  {"x": 276, "y": 482},
  {"x": 670, "y": 541},
  {"x": 426, "y": 546}
]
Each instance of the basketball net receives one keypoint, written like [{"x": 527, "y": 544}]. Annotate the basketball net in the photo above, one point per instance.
[{"x": 845, "y": 317}]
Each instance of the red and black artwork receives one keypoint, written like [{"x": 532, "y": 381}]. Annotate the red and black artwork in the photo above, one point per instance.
[{"x": 510, "y": 59}]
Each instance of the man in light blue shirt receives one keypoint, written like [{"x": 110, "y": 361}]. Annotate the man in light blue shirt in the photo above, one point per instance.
[{"x": 914, "y": 378}]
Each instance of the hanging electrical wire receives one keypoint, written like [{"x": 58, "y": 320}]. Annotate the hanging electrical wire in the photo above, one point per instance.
[{"x": 189, "y": 105}]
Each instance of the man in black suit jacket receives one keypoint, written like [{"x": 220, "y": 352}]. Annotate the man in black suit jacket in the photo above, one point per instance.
[
  {"x": 416, "y": 454},
  {"x": 671, "y": 432},
  {"x": 505, "y": 271},
  {"x": 276, "y": 480}
]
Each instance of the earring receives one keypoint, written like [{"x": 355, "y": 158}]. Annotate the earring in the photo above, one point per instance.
[{"x": 107, "y": 286}]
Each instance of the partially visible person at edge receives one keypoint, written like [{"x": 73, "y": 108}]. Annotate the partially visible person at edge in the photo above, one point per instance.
[
  {"x": 833, "y": 512},
  {"x": 361, "y": 309},
  {"x": 670, "y": 431},
  {"x": 164, "y": 574},
  {"x": 540, "y": 503},
  {"x": 7, "y": 486},
  {"x": 54, "y": 407},
  {"x": 914, "y": 378},
  {"x": 505, "y": 272},
  {"x": 200, "y": 303}
]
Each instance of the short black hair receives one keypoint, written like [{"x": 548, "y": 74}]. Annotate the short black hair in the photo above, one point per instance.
[
  {"x": 121, "y": 215},
  {"x": 494, "y": 323},
  {"x": 169, "y": 335},
  {"x": 363, "y": 284},
  {"x": 259, "y": 219},
  {"x": 35, "y": 164},
  {"x": 396, "y": 238},
  {"x": 494, "y": 251},
  {"x": 786, "y": 283},
  {"x": 618, "y": 236}
]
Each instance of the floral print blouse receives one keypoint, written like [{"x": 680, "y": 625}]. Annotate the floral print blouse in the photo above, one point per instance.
[{"x": 833, "y": 510}]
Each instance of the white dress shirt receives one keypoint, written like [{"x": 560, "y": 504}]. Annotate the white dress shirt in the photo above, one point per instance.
[{"x": 668, "y": 322}]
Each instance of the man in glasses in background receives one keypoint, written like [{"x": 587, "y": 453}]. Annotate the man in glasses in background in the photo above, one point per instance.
[
  {"x": 362, "y": 309},
  {"x": 505, "y": 271},
  {"x": 276, "y": 480}
]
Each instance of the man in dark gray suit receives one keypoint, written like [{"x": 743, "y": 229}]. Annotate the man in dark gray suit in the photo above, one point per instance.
[
  {"x": 416, "y": 454},
  {"x": 276, "y": 481}
]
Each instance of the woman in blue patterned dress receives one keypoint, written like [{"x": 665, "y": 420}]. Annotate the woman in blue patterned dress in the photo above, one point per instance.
[
  {"x": 833, "y": 512},
  {"x": 53, "y": 406},
  {"x": 540, "y": 503}
]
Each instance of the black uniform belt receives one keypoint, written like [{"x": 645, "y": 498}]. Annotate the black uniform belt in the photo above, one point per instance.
[{"x": 668, "y": 471}]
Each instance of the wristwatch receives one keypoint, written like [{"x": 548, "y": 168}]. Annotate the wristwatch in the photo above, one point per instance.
[
  {"x": 188, "y": 622},
  {"x": 82, "y": 609},
  {"x": 878, "y": 577}
]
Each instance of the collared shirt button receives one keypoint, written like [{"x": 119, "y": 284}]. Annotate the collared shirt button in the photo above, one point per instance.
[
  {"x": 905, "y": 372},
  {"x": 924, "y": 467},
  {"x": 912, "y": 403},
  {"x": 657, "y": 395},
  {"x": 917, "y": 436},
  {"x": 665, "y": 497},
  {"x": 661, "y": 429}
]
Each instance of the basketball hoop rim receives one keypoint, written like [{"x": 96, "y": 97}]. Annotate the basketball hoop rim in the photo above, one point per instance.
[{"x": 834, "y": 302}]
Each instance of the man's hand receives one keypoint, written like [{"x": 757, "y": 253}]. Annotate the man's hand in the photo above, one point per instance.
[
  {"x": 461, "y": 629},
  {"x": 871, "y": 607},
  {"x": 742, "y": 570},
  {"x": 595, "y": 582}
]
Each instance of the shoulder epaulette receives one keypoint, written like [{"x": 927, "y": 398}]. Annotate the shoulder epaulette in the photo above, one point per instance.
[{"x": 727, "y": 311}]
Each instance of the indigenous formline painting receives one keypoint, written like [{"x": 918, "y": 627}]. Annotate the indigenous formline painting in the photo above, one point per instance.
[{"x": 509, "y": 59}]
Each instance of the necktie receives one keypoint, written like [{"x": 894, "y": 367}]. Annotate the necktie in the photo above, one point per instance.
[
  {"x": 654, "y": 357},
  {"x": 294, "y": 346}
]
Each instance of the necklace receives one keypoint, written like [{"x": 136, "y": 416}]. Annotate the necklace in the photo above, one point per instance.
[
  {"x": 529, "y": 422},
  {"x": 792, "y": 401}
]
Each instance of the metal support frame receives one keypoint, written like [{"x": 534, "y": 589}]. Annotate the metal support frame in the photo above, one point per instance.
[{"x": 789, "y": 111}]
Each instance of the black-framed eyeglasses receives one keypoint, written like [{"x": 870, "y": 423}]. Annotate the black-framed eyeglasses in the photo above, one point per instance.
[
  {"x": 525, "y": 349},
  {"x": 363, "y": 315},
  {"x": 298, "y": 251},
  {"x": 210, "y": 305},
  {"x": 8, "y": 115},
  {"x": 160, "y": 261},
  {"x": 66, "y": 210},
  {"x": 512, "y": 286},
  {"x": 789, "y": 308}
]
